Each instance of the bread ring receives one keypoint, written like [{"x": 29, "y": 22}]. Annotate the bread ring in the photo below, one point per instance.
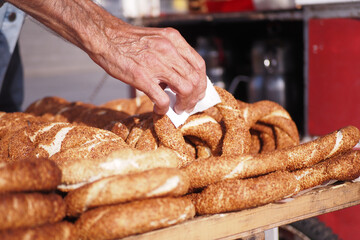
[
  {"x": 266, "y": 136},
  {"x": 29, "y": 175},
  {"x": 128, "y": 106},
  {"x": 17, "y": 146},
  {"x": 11, "y": 122},
  {"x": 171, "y": 137},
  {"x": 343, "y": 167},
  {"x": 160, "y": 182},
  {"x": 69, "y": 136},
  {"x": 148, "y": 140},
  {"x": 214, "y": 113},
  {"x": 205, "y": 128},
  {"x": 122, "y": 220},
  {"x": 124, "y": 161},
  {"x": 138, "y": 129},
  {"x": 64, "y": 142},
  {"x": 237, "y": 138},
  {"x": 137, "y": 105},
  {"x": 99, "y": 117},
  {"x": 56, "y": 231},
  {"x": 238, "y": 194},
  {"x": 203, "y": 172},
  {"x": 75, "y": 112},
  {"x": 122, "y": 127},
  {"x": 70, "y": 112},
  {"x": 201, "y": 148},
  {"x": 283, "y": 140},
  {"x": 145, "y": 106},
  {"x": 30, "y": 209},
  {"x": 203, "y": 151},
  {"x": 255, "y": 142},
  {"x": 273, "y": 114},
  {"x": 235, "y": 194},
  {"x": 51, "y": 105}
]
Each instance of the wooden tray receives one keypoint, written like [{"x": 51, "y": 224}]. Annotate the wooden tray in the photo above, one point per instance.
[{"x": 251, "y": 221}]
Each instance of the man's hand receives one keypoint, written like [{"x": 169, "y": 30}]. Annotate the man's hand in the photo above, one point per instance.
[{"x": 148, "y": 59}]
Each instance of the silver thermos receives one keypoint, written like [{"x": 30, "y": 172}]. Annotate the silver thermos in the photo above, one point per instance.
[
  {"x": 270, "y": 64},
  {"x": 269, "y": 59}
]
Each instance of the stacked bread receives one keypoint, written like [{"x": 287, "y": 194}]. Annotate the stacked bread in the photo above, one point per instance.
[
  {"x": 29, "y": 207},
  {"x": 98, "y": 170},
  {"x": 126, "y": 170}
]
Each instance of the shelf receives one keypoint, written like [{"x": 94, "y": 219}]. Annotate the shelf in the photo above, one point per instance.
[{"x": 220, "y": 17}]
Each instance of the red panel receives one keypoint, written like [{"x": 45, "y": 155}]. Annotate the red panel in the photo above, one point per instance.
[
  {"x": 345, "y": 223},
  {"x": 334, "y": 74},
  {"x": 229, "y": 5}
]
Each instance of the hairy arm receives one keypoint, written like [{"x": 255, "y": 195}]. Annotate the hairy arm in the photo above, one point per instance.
[{"x": 145, "y": 58}]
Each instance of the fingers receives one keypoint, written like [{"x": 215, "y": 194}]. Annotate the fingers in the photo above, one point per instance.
[
  {"x": 158, "y": 97},
  {"x": 146, "y": 58},
  {"x": 190, "y": 85}
]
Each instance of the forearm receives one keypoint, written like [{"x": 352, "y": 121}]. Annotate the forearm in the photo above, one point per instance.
[
  {"x": 81, "y": 22},
  {"x": 145, "y": 58}
]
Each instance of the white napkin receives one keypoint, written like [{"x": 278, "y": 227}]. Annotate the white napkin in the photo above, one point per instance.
[{"x": 211, "y": 99}]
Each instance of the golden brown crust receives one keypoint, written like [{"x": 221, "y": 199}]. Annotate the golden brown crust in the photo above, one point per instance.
[
  {"x": 203, "y": 172},
  {"x": 345, "y": 167},
  {"x": 138, "y": 129},
  {"x": 206, "y": 129},
  {"x": 63, "y": 143},
  {"x": 237, "y": 138},
  {"x": 266, "y": 137},
  {"x": 342, "y": 167},
  {"x": 56, "y": 231},
  {"x": 29, "y": 175},
  {"x": 99, "y": 117},
  {"x": 124, "y": 105},
  {"x": 145, "y": 106},
  {"x": 57, "y": 109},
  {"x": 30, "y": 209},
  {"x": 236, "y": 194},
  {"x": 132, "y": 106},
  {"x": 45, "y": 105},
  {"x": 159, "y": 182},
  {"x": 122, "y": 220},
  {"x": 12, "y": 122},
  {"x": 255, "y": 142},
  {"x": 171, "y": 137},
  {"x": 148, "y": 140},
  {"x": 123, "y": 161},
  {"x": 271, "y": 114}
]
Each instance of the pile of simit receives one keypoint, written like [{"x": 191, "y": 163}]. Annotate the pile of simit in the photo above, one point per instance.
[{"x": 72, "y": 170}]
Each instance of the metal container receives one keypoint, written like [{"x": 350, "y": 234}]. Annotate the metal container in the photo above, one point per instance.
[{"x": 270, "y": 65}]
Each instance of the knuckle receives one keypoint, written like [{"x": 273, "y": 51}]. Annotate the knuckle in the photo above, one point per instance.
[
  {"x": 201, "y": 64},
  {"x": 171, "y": 32},
  {"x": 187, "y": 89}
]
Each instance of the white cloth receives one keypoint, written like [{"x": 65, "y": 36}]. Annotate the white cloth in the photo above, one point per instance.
[{"x": 211, "y": 99}]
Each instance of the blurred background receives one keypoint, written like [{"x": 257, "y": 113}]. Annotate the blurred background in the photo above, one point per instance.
[{"x": 54, "y": 67}]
